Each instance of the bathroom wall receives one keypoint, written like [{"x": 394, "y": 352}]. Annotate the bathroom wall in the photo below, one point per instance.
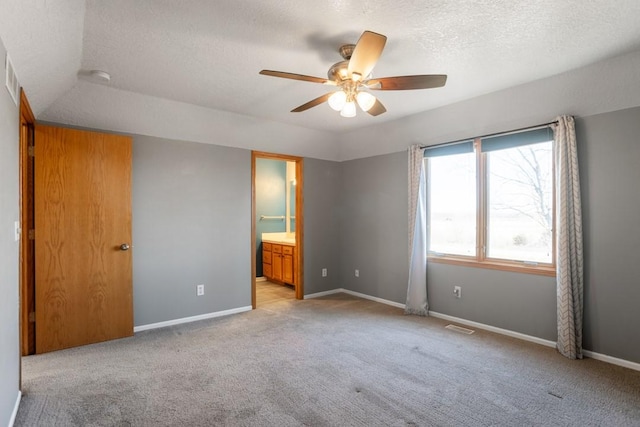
[{"x": 270, "y": 201}]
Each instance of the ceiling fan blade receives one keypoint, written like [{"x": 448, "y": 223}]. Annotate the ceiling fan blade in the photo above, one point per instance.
[
  {"x": 377, "y": 108},
  {"x": 366, "y": 53},
  {"x": 294, "y": 76},
  {"x": 314, "y": 102},
  {"x": 426, "y": 81}
]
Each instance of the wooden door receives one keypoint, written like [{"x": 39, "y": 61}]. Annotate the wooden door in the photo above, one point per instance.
[
  {"x": 82, "y": 217},
  {"x": 27, "y": 247}
]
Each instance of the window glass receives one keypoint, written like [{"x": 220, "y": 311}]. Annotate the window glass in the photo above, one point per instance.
[
  {"x": 490, "y": 201},
  {"x": 452, "y": 204},
  {"x": 519, "y": 203}
]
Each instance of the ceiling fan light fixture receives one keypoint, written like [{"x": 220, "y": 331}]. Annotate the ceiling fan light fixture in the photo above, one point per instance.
[
  {"x": 337, "y": 100},
  {"x": 349, "y": 109},
  {"x": 353, "y": 75},
  {"x": 365, "y": 100}
]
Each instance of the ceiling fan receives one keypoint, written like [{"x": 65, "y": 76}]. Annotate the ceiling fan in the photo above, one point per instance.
[{"x": 352, "y": 78}]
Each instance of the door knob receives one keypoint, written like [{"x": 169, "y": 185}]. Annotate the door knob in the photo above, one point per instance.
[{"x": 124, "y": 247}]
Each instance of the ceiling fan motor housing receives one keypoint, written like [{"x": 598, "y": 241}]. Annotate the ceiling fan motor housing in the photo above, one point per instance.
[
  {"x": 347, "y": 50},
  {"x": 339, "y": 71}
]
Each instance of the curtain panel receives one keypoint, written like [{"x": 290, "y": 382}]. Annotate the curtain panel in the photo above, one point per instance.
[
  {"x": 569, "y": 257},
  {"x": 417, "y": 187}
]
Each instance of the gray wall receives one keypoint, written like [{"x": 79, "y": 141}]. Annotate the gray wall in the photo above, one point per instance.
[
  {"x": 9, "y": 212},
  {"x": 373, "y": 239},
  {"x": 373, "y": 226},
  {"x": 321, "y": 221},
  {"x": 609, "y": 157},
  {"x": 524, "y": 303},
  {"x": 191, "y": 225}
]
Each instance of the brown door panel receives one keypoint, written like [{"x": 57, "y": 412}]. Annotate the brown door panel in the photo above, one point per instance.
[{"x": 82, "y": 216}]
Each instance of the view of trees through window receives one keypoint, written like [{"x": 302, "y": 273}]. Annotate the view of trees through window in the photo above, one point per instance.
[
  {"x": 519, "y": 203},
  {"x": 516, "y": 216}
]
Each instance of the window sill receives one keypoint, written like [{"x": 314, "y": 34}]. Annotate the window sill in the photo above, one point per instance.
[{"x": 545, "y": 270}]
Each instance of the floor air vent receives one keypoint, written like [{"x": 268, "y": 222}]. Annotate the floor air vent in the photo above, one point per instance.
[
  {"x": 11, "y": 81},
  {"x": 460, "y": 329}
]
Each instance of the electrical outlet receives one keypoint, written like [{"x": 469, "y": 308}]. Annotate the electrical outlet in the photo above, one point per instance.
[
  {"x": 324, "y": 272},
  {"x": 16, "y": 231},
  {"x": 200, "y": 290},
  {"x": 357, "y": 273},
  {"x": 457, "y": 291}
]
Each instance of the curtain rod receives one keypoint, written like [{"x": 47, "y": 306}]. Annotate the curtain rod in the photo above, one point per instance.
[{"x": 555, "y": 122}]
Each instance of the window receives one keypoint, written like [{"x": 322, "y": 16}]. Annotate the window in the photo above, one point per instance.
[
  {"x": 491, "y": 202},
  {"x": 452, "y": 200}
]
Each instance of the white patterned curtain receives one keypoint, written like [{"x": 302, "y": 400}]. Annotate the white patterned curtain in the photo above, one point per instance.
[
  {"x": 569, "y": 270},
  {"x": 417, "y": 289}
]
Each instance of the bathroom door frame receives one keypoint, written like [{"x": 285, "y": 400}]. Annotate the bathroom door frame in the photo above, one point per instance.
[{"x": 299, "y": 258}]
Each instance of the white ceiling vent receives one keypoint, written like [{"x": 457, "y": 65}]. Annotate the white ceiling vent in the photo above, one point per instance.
[{"x": 11, "y": 80}]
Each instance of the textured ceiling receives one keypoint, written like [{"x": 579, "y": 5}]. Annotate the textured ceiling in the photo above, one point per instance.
[
  {"x": 44, "y": 40},
  {"x": 209, "y": 53}
]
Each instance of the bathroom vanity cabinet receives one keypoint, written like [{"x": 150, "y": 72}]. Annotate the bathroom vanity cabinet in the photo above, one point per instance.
[{"x": 278, "y": 262}]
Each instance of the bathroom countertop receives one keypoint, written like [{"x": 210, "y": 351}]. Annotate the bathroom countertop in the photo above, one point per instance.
[
  {"x": 291, "y": 242},
  {"x": 279, "y": 238}
]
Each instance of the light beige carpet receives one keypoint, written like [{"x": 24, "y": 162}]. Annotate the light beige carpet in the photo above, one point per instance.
[{"x": 332, "y": 361}]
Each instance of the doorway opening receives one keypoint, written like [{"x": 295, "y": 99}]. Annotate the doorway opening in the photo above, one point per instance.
[
  {"x": 27, "y": 220},
  {"x": 276, "y": 227}
]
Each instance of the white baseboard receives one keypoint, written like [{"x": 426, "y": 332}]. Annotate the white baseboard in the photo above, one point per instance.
[
  {"x": 355, "y": 294},
  {"x": 14, "y": 414},
  {"x": 323, "y": 294},
  {"x": 376, "y": 299},
  {"x": 591, "y": 354},
  {"x": 489, "y": 328},
  {"x": 261, "y": 279},
  {"x": 547, "y": 343},
  {"x": 613, "y": 360},
  {"x": 191, "y": 319}
]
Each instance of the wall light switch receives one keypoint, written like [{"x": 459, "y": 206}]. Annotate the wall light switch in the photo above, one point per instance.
[
  {"x": 324, "y": 272},
  {"x": 357, "y": 273},
  {"x": 16, "y": 231},
  {"x": 200, "y": 290}
]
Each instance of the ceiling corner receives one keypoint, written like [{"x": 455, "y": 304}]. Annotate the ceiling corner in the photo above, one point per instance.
[{"x": 45, "y": 45}]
